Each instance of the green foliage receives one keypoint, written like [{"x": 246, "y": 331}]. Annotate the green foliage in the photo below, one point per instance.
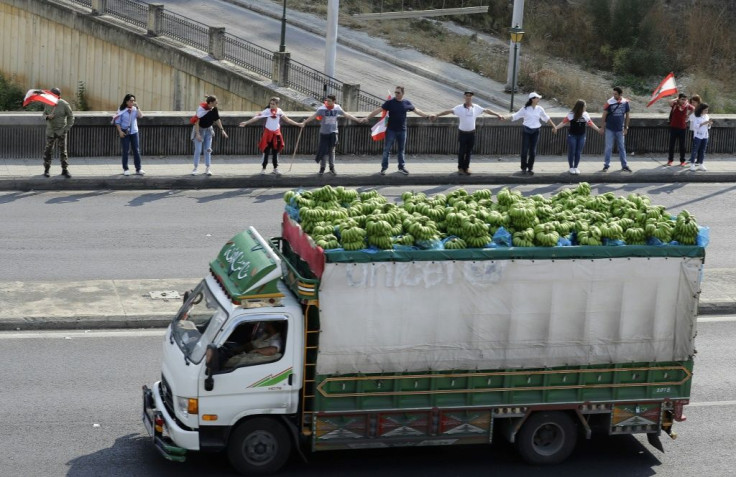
[
  {"x": 11, "y": 95},
  {"x": 82, "y": 101}
]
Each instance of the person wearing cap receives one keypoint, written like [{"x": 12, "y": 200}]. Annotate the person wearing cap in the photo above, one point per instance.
[
  {"x": 466, "y": 112},
  {"x": 59, "y": 120},
  {"x": 534, "y": 116}
]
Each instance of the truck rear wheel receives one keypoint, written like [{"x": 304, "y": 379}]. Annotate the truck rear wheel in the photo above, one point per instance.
[
  {"x": 547, "y": 438},
  {"x": 259, "y": 446}
]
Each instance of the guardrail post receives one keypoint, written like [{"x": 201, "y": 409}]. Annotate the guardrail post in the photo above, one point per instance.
[
  {"x": 217, "y": 43},
  {"x": 99, "y": 7},
  {"x": 350, "y": 96},
  {"x": 281, "y": 68},
  {"x": 155, "y": 14}
]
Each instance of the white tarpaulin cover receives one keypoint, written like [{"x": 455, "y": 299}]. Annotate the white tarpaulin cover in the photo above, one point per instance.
[{"x": 384, "y": 317}]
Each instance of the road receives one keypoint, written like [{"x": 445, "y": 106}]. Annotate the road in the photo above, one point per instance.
[
  {"x": 70, "y": 405},
  {"x": 174, "y": 234}
]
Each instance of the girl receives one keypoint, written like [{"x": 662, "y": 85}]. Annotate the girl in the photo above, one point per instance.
[
  {"x": 701, "y": 124},
  {"x": 126, "y": 122},
  {"x": 271, "y": 141},
  {"x": 533, "y": 117},
  {"x": 207, "y": 115},
  {"x": 578, "y": 118}
]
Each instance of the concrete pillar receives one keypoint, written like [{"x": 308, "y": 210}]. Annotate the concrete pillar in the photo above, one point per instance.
[
  {"x": 331, "y": 37},
  {"x": 99, "y": 7},
  {"x": 350, "y": 92},
  {"x": 155, "y": 15},
  {"x": 217, "y": 43},
  {"x": 281, "y": 68}
]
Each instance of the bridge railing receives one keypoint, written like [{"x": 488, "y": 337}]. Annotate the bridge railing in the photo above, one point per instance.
[{"x": 239, "y": 51}]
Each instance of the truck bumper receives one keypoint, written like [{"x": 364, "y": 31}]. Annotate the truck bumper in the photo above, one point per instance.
[{"x": 158, "y": 423}]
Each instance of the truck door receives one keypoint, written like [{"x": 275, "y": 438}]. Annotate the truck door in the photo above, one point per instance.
[{"x": 256, "y": 360}]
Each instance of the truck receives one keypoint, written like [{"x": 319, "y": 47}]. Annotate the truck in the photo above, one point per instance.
[{"x": 285, "y": 349}]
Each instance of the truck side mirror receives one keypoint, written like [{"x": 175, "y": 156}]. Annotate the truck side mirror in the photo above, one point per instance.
[{"x": 212, "y": 363}]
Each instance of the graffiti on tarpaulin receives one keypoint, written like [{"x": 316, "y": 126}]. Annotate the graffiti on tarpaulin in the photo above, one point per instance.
[{"x": 422, "y": 274}]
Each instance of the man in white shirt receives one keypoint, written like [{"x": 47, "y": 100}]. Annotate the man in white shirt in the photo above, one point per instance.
[{"x": 467, "y": 112}]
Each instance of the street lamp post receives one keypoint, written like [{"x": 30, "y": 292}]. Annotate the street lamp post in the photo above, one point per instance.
[
  {"x": 282, "y": 46},
  {"x": 516, "y": 36}
]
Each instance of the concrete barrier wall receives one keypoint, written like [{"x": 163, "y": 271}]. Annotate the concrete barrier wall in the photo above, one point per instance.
[
  {"x": 44, "y": 44},
  {"x": 167, "y": 134}
]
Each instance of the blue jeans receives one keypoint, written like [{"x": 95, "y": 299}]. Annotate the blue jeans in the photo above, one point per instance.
[
  {"x": 617, "y": 136},
  {"x": 400, "y": 138},
  {"x": 205, "y": 143},
  {"x": 530, "y": 138},
  {"x": 130, "y": 141},
  {"x": 699, "y": 145},
  {"x": 575, "y": 145}
]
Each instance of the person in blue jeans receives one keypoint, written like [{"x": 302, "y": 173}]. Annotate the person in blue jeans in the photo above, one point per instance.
[
  {"x": 533, "y": 117},
  {"x": 203, "y": 131},
  {"x": 578, "y": 119},
  {"x": 397, "y": 108},
  {"x": 615, "y": 125},
  {"x": 701, "y": 124},
  {"x": 126, "y": 122}
]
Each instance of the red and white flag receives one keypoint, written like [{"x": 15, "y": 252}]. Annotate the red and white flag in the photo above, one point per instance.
[
  {"x": 40, "y": 96},
  {"x": 666, "y": 88},
  {"x": 378, "y": 131}
]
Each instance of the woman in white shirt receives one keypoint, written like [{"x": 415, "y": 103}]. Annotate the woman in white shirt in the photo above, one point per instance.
[
  {"x": 700, "y": 123},
  {"x": 534, "y": 116}
]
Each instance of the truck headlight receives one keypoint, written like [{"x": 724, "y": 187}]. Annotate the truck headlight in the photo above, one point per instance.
[{"x": 188, "y": 405}]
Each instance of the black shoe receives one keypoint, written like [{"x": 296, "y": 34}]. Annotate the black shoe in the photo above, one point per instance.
[
  {"x": 321, "y": 171},
  {"x": 530, "y": 172},
  {"x": 383, "y": 172},
  {"x": 403, "y": 171},
  {"x": 66, "y": 174},
  {"x": 46, "y": 173},
  {"x": 332, "y": 171},
  {"x": 605, "y": 169},
  {"x": 626, "y": 169},
  {"x": 523, "y": 172}
]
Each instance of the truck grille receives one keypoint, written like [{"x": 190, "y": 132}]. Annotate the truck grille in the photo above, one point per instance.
[{"x": 166, "y": 394}]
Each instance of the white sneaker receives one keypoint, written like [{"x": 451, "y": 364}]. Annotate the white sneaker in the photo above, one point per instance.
[
  {"x": 702, "y": 167},
  {"x": 276, "y": 172},
  {"x": 692, "y": 167},
  {"x": 577, "y": 171},
  {"x": 208, "y": 171},
  {"x": 126, "y": 172},
  {"x": 572, "y": 170},
  {"x": 195, "y": 172},
  {"x": 263, "y": 171},
  {"x": 140, "y": 172}
]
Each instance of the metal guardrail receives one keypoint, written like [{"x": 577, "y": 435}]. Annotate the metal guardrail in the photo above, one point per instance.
[
  {"x": 248, "y": 55},
  {"x": 312, "y": 82},
  {"x": 129, "y": 11},
  {"x": 187, "y": 31}
]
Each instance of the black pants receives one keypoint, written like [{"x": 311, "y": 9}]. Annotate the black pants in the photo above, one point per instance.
[
  {"x": 467, "y": 142},
  {"x": 275, "y": 157},
  {"x": 677, "y": 135},
  {"x": 529, "y": 148}
]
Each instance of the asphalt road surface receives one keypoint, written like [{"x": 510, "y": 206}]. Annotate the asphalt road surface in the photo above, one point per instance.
[
  {"x": 71, "y": 404},
  {"x": 174, "y": 234}
]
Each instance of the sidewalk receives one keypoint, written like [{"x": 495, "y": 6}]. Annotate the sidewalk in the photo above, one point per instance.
[
  {"x": 106, "y": 304},
  {"x": 231, "y": 172}
]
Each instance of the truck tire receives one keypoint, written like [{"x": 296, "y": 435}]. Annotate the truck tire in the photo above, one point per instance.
[
  {"x": 547, "y": 438},
  {"x": 259, "y": 446}
]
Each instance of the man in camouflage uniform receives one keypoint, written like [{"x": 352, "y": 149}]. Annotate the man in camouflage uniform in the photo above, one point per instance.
[{"x": 59, "y": 120}]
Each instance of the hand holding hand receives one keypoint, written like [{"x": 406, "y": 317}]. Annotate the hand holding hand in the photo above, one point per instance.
[{"x": 241, "y": 125}]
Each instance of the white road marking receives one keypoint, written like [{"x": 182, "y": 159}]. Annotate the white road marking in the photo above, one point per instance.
[
  {"x": 712, "y": 403},
  {"x": 716, "y": 319},
  {"x": 80, "y": 334}
]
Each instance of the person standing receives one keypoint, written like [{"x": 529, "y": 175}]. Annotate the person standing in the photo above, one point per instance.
[
  {"x": 679, "y": 112},
  {"x": 578, "y": 119},
  {"x": 534, "y": 116},
  {"x": 271, "y": 141},
  {"x": 206, "y": 116},
  {"x": 329, "y": 112},
  {"x": 615, "y": 125},
  {"x": 695, "y": 101},
  {"x": 466, "y": 112},
  {"x": 59, "y": 120},
  {"x": 701, "y": 124},
  {"x": 126, "y": 122},
  {"x": 397, "y": 109}
]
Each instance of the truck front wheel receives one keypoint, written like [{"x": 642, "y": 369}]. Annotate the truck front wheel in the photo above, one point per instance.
[
  {"x": 259, "y": 446},
  {"x": 547, "y": 438}
]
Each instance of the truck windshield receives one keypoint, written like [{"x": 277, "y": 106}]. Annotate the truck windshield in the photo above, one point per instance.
[{"x": 197, "y": 323}]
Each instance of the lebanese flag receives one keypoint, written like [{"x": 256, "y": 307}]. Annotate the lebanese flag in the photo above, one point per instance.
[
  {"x": 378, "y": 131},
  {"x": 202, "y": 109},
  {"x": 40, "y": 96},
  {"x": 666, "y": 88}
]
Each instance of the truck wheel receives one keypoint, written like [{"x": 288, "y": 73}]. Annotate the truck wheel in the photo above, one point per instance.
[
  {"x": 547, "y": 438},
  {"x": 259, "y": 446}
]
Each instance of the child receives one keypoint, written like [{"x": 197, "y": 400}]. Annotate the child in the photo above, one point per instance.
[
  {"x": 701, "y": 124},
  {"x": 578, "y": 118},
  {"x": 271, "y": 141}
]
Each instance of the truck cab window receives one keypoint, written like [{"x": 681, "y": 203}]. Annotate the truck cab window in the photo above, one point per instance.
[
  {"x": 200, "y": 316},
  {"x": 254, "y": 343}
]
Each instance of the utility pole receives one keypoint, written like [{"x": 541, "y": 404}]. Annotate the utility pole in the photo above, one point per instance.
[
  {"x": 517, "y": 21},
  {"x": 333, "y": 8}
]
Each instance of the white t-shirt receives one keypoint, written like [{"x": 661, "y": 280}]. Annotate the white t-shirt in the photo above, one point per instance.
[
  {"x": 467, "y": 116},
  {"x": 273, "y": 118},
  {"x": 699, "y": 127},
  {"x": 534, "y": 117}
]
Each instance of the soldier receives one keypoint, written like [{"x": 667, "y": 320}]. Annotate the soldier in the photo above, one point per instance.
[{"x": 59, "y": 120}]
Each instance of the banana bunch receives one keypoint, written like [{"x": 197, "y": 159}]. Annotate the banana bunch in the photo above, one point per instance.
[
  {"x": 423, "y": 228},
  {"x": 325, "y": 194},
  {"x": 346, "y": 196},
  {"x": 474, "y": 231},
  {"x": 545, "y": 235},
  {"x": 523, "y": 238},
  {"x": 353, "y": 238},
  {"x": 522, "y": 215},
  {"x": 686, "y": 228},
  {"x": 327, "y": 242},
  {"x": 406, "y": 239},
  {"x": 612, "y": 231},
  {"x": 383, "y": 242},
  {"x": 635, "y": 236},
  {"x": 506, "y": 197},
  {"x": 378, "y": 227},
  {"x": 589, "y": 237},
  {"x": 663, "y": 231},
  {"x": 455, "y": 243},
  {"x": 583, "y": 189},
  {"x": 481, "y": 194}
]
